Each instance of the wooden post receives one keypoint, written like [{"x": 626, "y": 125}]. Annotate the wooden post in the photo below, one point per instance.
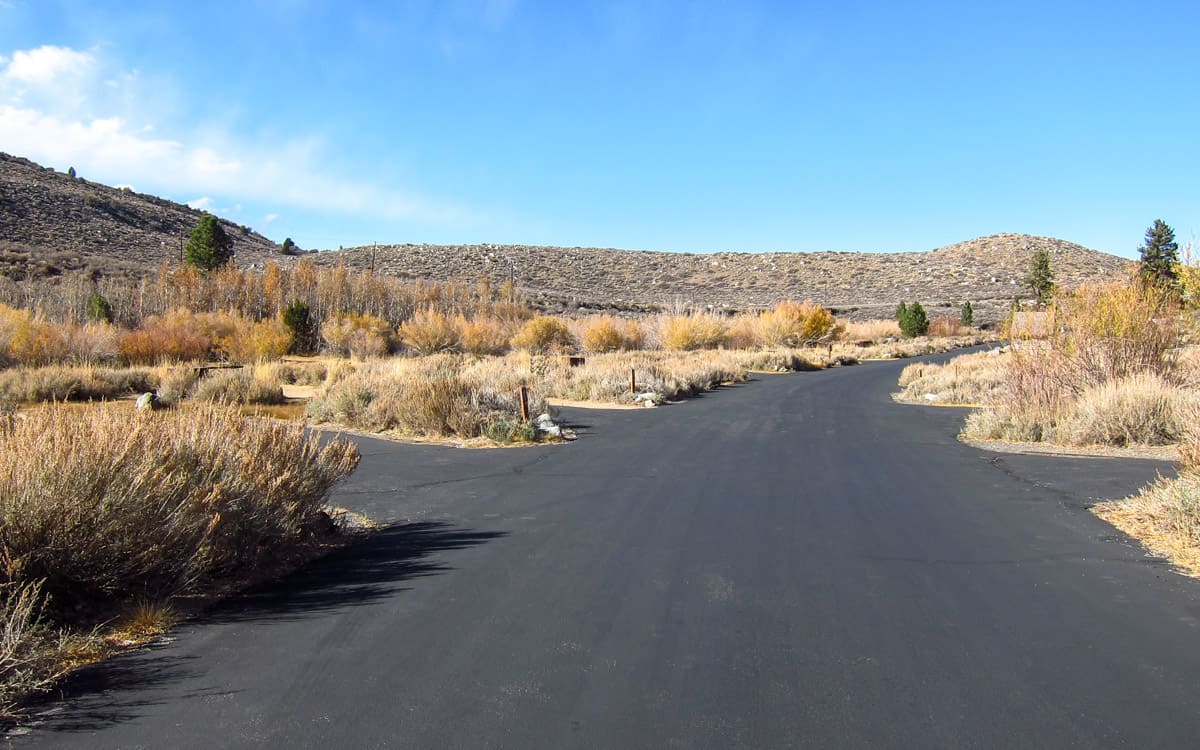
[
  {"x": 633, "y": 381},
  {"x": 524, "y": 404}
]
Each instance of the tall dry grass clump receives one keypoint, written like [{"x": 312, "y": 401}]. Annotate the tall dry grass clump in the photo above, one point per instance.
[
  {"x": 871, "y": 330},
  {"x": 947, "y": 325},
  {"x": 103, "y": 508},
  {"x": 1141, "y": 409},
  {"x": 977, "y": 378},
  {"x": 28, "y": 645},
  {"x": 159, "y": 503},
  {"x": 28, "y": 385}
]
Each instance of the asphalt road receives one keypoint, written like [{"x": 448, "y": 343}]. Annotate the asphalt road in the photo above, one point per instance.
[{"x": 794, "y": 562}]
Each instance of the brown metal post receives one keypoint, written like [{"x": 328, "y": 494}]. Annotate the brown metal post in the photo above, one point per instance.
[
  {"x": 524, "y": 403},
  {"x": 632, "y": 381}
]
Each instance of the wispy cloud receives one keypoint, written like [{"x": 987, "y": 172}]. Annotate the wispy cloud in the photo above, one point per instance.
[{"x": 69, "y": 107}]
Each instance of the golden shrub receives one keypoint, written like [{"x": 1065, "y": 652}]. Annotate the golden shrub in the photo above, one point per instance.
[
  {"x": 483, "y": 335},
  {"x": 794, "y": 324},
  {"x": 691, "y": 332},
  {"x": 358, "y": 335},
  {"x": 542, "y": 334},
  {"x": 601, "y": 334},
  {"x": 429, "y": 332}
]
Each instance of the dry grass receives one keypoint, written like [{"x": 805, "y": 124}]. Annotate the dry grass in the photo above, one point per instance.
[
  {"x": 155, "y": 503},
  {"x": 1165, "y": 517},
  {"x": 691, "y": 332},
  {"x": 244, "y": 386},
  {"x": 433, "y": 396},
  {"x": 27, "y": 385},
  {"x": 29, "y": 658},
  {"x": 1109, "y": 375},
  {"x": 871, "y": 330},
  {"x": 147, "y": 506},
  {"x": 969, "y": 379}
]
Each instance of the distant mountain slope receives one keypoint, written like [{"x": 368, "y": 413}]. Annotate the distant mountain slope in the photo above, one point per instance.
[
  {"x": 51, "y": 223},
  {"x": 987, "y": 270}
]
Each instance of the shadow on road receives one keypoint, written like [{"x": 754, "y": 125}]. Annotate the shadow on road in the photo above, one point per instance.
[
  {"x": 354, "y": 575},
  {"x": 122, "y": 688}
]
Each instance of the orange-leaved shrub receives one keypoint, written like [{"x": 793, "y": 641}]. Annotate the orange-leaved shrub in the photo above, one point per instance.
[{"x": 176, "y": 336}]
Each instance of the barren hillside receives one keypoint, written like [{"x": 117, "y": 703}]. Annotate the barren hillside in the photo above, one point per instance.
[
  {"x": 987, "y": 271},
  {"x": 51, "y": 223}
]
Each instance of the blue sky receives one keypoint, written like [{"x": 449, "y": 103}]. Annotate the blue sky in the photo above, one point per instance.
[{"x": 686, "y": 126}]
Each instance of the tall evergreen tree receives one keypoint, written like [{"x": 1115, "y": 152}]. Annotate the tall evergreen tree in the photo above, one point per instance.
[
  {"x": 913, "y": 319},
  {"x": 1160, "y": 255},
  {"x": 1040, "y": 280},
  {"x": 967, "y": 314},
  {"x": 208, "y": 246}
]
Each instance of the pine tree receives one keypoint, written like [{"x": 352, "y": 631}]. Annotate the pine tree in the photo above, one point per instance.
[
  {"x": 98, "y": 309},
  {"x": 1160, "y": 255},
  {"x": 913, "y": 320},
  {"x": 1040, "y": 280},
  {"x": 298, "y": 320},
  {"x": 967, "y": 315},
  {"x": 208, "y": 247}
]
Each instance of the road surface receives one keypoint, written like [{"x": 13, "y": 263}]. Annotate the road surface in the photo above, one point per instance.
[{"x": 793, "y": 562}]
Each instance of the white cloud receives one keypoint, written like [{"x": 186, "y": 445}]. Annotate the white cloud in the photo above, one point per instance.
[
  {"x": 57, "y": 107},
  {"x": 267, "y": 221},
  {"x": 44, "y": 65},
  {"x": 201, "y": 204}
]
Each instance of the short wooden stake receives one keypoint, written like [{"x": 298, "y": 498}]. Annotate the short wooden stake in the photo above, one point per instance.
[
  {"x": 524, "y": 403},
  {"x": 632, "y": 381}
]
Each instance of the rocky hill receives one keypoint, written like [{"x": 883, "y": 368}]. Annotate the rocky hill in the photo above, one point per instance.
[
  {"x": 52, "y": 223},
  {"x": 988, "y": 271}
]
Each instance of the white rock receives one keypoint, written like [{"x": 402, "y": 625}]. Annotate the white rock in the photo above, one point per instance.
[{"x": 545, "y": 423}]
